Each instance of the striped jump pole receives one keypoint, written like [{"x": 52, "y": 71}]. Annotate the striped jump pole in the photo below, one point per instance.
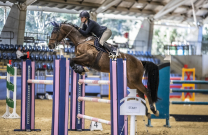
[
  {"x": 40, "y": 81},
  {"x": 11, "y": 103},
  {"x": 60, "y": 97},
  {"x": 94, "y": 81},
  {"x": 93, "y": 100},
  {"x": 118, "y": 84},
  {"x": 27, "y": 122}
]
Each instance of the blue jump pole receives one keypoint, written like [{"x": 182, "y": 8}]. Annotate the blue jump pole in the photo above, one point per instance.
[
  {"x": 189, "y": 103},
  {"x": 191, "y": 81},
  {"x": 190, "y": 90}
]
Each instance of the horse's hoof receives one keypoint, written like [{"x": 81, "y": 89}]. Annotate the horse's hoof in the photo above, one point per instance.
[
  {"x": 157, "y": 113},
  {"x": 83, "y": 73},
  {"x": 148, "y": 116}
]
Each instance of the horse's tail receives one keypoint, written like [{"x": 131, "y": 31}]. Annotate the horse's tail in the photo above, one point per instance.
[{"x": 152, "y": 72}]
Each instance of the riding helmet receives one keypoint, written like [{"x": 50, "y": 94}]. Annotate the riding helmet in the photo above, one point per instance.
[{"x": 84, "y": 14}]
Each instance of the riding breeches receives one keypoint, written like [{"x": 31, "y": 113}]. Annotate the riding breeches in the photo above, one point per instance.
[{"x": 106, "y": 35}]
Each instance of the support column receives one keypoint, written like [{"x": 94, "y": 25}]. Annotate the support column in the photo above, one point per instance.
[
  {"x": 195, "y": 38},
  {"x": 16, "y": 24},
  {"x": 144, "y": 36},
  {"x": 21, "y": 28},
  {"x": 93, "y": 16}
]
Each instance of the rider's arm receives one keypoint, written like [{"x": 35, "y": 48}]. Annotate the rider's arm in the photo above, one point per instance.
[
  {"x": 88, "y": 30},
  {"x": 84, "y": 27}
]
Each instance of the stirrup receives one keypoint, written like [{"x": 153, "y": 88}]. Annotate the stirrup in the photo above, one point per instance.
[{"x": 112, "y": 56}]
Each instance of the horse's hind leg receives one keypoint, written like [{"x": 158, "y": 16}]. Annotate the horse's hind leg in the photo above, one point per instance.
[
  {"x": 141, "y": 95},
  {"x": 147, "y": 92}
]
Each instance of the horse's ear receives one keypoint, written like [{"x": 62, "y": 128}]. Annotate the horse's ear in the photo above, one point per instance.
[
  {"x": 52, "y": 23},
  {"x": 56, "y": 24}
]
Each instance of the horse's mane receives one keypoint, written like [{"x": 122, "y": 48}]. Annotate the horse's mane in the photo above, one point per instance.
[
  {"x": 57, "y": 26},
  {"x": 69, "y": 23}
]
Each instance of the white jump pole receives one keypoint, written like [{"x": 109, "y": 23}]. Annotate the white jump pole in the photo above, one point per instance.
[
  {"x": 93, "y": 119},
  {"x": 94, "y": 100},
  {"x": 3, "y": 77}
]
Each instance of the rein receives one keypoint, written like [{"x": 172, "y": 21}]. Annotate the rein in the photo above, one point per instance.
[{"x": 58, "y": 36}]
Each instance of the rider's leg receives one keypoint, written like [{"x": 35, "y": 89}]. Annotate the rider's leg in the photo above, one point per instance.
[{"x": 106, "y": 35}]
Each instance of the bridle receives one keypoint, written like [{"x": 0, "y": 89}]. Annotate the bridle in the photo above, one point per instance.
[{"x": 56, "y": 39}]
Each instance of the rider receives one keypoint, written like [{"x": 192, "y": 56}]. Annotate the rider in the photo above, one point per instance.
[{"x": 102, "y": 32}]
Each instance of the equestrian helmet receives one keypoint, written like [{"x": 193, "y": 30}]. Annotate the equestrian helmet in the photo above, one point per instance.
[{"x": 84, "y": 14}]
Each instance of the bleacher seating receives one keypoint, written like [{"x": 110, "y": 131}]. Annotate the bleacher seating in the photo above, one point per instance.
[
  {"x": 30, "y": 48},
  {"x": 50, "y": 57},
  {"x": 19, "y": 65},
  {"x": 47, "y": 49},
  {"x": 41, "y": 57},
  {"x": 6, "y": 47},
  {"x": 25, "y": 46},
  {"x": 54, "y": 57},
  {"x": 45, "y": 57},
  {"x": 34, "y": 48},
  {"x": 43, "y": 64},
  {"x": 38, "y": 48},
  {"x": 36, "y": 57},
  {"x": 43, "y": 49},
  {"x": 11, "y": 47},
  {"x": 51, "y": 65},
  {"x": 2, "y": 47},
  {"x": 9, "y": 56},
  {"x": 4, "y": 55},
  {"x": 15, "y": 64},
  {"x": 32, "y": 57},
  {"x": 37, "y": 65},
  {"x": 16, "y": 47},
  {"x": 48, "y": 66}
]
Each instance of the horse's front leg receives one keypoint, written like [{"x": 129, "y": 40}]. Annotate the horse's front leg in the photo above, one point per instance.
[{"x": 82, "y": 60}]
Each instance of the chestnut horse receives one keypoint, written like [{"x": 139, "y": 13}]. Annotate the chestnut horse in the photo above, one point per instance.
[{"x": 87, "y": 55}]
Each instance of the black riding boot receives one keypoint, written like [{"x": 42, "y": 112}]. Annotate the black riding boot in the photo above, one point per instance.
[{"x": 109, "y": 49}]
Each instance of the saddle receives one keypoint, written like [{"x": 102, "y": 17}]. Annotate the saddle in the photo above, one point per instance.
[{"x": 99, "y": 47}]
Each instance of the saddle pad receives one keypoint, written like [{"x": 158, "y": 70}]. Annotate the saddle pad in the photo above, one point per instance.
[{"x": 98, "y": 46}]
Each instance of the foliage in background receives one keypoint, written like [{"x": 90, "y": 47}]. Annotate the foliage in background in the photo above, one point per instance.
[
  {"x": 40, "y": 22},
  {"x": 2, "y": 17},
  {"x": 166, "y": 36},
  {"x": 205, "y": 34}
]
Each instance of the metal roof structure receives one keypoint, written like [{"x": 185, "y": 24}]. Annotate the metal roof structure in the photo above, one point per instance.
[{"x": 176, "y": 10}]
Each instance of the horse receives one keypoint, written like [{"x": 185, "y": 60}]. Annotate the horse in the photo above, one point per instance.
[{"x": 88, "y": 56}]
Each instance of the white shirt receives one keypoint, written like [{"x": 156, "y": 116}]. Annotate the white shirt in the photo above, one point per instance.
[{"x": 19, "y": 54}]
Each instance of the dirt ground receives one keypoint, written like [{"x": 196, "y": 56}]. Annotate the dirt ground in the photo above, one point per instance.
[{"x": 43, "y": 120}]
